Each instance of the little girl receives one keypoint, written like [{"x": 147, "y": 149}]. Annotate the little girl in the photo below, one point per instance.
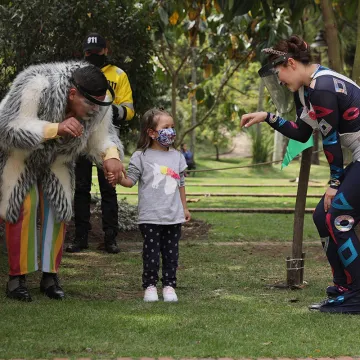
[{"x": 159, "y": 168}]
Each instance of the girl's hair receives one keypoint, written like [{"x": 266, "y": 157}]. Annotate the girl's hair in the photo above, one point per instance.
[
  {"x": 149, "y": 121},
  {"x": 296, "y": 47}
]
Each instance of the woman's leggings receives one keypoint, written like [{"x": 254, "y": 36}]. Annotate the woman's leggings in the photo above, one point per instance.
[
  {"x": 336, "y": 229},
  {"x": 22, "y": 237}
]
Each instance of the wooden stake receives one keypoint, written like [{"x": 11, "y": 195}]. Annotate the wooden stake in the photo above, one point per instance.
[{"x": 294, "y": 277}]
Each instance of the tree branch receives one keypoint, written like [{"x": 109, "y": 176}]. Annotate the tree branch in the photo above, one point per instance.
[
  {"x": 224, "y": 82},
  {"x": 166, "y": 60},
  {"x": 239, "y": 91}
]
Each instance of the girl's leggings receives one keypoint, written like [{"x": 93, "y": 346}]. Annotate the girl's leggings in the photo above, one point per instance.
[
  {"x": 336, "y": 229},
  {"x": 22, "y": 237},
  {"x": 158, "y": 239}
]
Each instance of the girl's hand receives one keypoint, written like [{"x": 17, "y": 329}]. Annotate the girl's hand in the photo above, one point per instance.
[
  {"x": 187, "y": 215},
  {"x": 329, "y": 195},
  {"x": 253, "y": 118},
  {"x": 111, "y": 179}
]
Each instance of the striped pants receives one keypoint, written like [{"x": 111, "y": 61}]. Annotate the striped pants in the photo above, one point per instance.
[{"x": 22, "y": 237}]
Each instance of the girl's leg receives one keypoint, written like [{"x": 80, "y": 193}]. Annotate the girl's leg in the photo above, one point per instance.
[
  {"x": 21, "y": 237},
  {"x": 151, "y": 253},
  {"x": 329, "y": 245},
  {"x": 170, "y": 253}
]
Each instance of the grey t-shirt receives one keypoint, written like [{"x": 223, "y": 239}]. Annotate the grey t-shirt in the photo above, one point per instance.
[{"x": 160, "y": 174}]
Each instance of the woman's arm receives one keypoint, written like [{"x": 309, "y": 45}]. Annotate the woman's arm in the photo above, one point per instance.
[{"x": 299, "y": 130}]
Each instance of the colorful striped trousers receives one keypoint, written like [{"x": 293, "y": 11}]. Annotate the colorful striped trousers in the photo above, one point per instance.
[{"x": 22, "y": 237}]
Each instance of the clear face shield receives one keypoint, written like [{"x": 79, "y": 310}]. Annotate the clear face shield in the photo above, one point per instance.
[{"x": 280, "y": 95}]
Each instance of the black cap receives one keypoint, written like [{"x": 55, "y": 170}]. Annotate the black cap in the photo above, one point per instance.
[{"x": 94, "y": 41}]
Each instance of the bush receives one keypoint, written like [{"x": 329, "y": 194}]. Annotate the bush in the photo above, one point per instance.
[
  {"x": 262, "y": 143},
  {"x": 128, "y": 215}
]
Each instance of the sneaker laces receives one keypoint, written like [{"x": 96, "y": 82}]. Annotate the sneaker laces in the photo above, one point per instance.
[{"x": 169, "y": 290}]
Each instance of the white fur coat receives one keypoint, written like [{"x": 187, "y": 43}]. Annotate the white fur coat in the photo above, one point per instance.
[{"x": 38, "y": 97}]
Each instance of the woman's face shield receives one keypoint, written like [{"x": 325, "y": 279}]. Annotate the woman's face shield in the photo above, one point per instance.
[{"x": 280, "y": 95}]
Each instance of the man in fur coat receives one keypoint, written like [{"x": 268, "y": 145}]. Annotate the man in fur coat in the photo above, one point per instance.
[{"x": 51, "y": 114}]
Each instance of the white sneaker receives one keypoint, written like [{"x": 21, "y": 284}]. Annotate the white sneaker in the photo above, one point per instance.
[
  {"x": 151, "y": 294},
  {"x": 169, "y": 294}
]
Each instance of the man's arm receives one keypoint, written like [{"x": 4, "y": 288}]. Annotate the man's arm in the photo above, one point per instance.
[
  {"x": 104, "y": 144},
  {"x": 20, "y": 125}
]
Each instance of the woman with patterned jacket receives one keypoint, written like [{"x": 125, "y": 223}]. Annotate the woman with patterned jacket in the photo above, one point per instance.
[
  {"x": 328, "y": 102},
  {"x": 51, "y": 114}
]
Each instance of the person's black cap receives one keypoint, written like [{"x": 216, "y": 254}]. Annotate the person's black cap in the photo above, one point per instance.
[{"x": 94, "y": 41}]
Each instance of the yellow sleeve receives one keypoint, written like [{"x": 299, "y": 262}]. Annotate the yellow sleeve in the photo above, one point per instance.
[
  {"x": 123, "y": 95},
  {"x": 50, "y": 131},
  {"x": 112, "y": 153}
]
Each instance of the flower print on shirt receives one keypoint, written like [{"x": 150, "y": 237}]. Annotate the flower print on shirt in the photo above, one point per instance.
[{"x": 160, "y": 173}]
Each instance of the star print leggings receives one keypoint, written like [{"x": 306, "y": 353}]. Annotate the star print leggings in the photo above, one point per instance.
[
  {"x": 158, "y": 239},
  {"x": 336, "y": 229}
]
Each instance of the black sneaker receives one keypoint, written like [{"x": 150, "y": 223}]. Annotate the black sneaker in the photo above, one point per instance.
[
  {"x": 348, "y": 303},
  {"x": 50, "y": 286},
  {"x": 79, "y": 243},
  {"x": 332, "y": 292},
  {"x": 16, "y": 289},
  {"x": 110, "y": 242}
]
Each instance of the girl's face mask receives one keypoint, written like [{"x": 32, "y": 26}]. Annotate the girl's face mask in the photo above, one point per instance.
[{"x": 166, "y": 137}]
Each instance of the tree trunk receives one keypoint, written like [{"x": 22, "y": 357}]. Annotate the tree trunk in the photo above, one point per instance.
[
  {"x": 260, "y": 106},
  {"x": 174, "y": 82},
  {"x": 217, "y": 153},
  {"x": 278, "y": 144},
  {"x": 356, "y": 66},
  {"x": 294, "y": 264},
  {"x": 315, "y": 155},
  {"x": 193, "y": 101},
  {"x": 332, "y": 38}
]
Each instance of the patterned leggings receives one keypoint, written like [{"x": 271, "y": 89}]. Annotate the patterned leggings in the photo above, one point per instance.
[
  {"x": 158, "y": 239},
  {"x": 336, "y": 229}
]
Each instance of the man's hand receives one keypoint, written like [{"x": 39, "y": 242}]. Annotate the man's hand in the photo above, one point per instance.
[
  {"x": 116, "y": 168},
  {"x": 329, "y": 195},
  {"x": 70, "y": 126},
  {"x": 253, "y": 118}
]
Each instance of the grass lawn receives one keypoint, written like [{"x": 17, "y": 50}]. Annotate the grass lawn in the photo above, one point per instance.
[{"x": 225, "y": 309}]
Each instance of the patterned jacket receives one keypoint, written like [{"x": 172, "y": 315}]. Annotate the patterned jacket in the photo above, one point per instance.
[{"x": 37, "y": 99}]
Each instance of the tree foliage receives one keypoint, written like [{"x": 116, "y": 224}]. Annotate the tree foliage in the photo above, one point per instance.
[{"x": 46, "y": 31}]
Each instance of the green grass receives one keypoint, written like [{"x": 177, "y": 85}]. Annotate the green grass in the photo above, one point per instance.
[
  {"x": 225, "y": 309},
  {"x": 233, "y": 227}
]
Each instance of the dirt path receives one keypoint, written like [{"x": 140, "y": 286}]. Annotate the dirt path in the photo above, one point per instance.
[{"x": 242, "y": 147}]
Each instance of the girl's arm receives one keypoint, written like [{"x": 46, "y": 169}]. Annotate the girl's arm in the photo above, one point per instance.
[
  {"x": 126, "y": 182},
  {"x": 183, "y": 200}
]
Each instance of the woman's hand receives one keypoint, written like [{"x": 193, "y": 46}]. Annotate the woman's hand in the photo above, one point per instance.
[
  {"x": 253, "y": 118},
  {"x": 329, "y": 195}
]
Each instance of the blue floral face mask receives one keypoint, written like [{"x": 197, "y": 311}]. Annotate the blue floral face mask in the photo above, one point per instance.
[{"x": 166, "y": 137}]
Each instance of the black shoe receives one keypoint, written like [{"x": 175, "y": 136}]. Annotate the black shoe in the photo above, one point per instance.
[
  {"x": 348, "y": 303},
  {"x": 79, "y": 243},
  {"x": 110, "y": 242},
  {"x": 16, "y": 289},
  {"x": 332, "y": 292},
  {"x": 318, "y": 305},
  {"x": 50, "y": 286}
]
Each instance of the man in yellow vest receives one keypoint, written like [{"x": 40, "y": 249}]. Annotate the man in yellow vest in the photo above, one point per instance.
[{"x": 95, "y": 51}]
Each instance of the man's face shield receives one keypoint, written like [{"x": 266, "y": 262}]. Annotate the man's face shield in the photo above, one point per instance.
[{"x": 280, "y": 95}]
